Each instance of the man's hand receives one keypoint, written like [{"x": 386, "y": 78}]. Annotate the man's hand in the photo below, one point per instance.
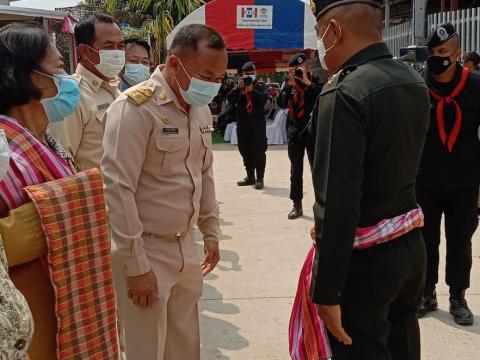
[
  {"x": 212, "y": 256},
  {"x": 143, "y": 289},
  {"x": 291, "y": 77},
  {"x": 241, "y": 83},
  {"x": 331, "y": 316},
  {"x": 304, "y": 79}
]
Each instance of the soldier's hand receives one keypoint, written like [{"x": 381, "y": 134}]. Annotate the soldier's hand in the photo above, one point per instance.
[
  {"x": 291, "y": 76},
  {"x": 212, "y": 256},
  {"x": 305, "y": 79},
  {"x": 143, "y": 289},
  {"x": 241, "y": 83},
  {"x": 331, "y": 316}
]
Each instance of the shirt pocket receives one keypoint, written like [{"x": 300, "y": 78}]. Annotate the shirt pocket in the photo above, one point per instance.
[{"x": 172, "y": 152}]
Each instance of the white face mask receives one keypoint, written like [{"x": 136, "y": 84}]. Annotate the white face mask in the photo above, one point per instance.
[
  {"x": 4, "y": 154},
  {"x": 111, "y": 62},
  {"x": 322, "y": 52},
  {"x": 199, "y": 92}
]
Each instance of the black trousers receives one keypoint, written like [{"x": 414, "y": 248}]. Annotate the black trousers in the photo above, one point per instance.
[
  {"x": 296, "y": 153},
  {"x": 461, "y": 221},
  {"x": 253, "y": 146},
  {"x": 383, "y": 291}
]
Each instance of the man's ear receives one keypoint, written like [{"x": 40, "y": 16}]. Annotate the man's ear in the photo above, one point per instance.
[{"x": 336, "y": 30}]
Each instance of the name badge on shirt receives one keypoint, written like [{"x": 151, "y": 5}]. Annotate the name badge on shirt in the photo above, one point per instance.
[
  {"x": 170, "y": 131},
  {"x": 103, "y": 106}
]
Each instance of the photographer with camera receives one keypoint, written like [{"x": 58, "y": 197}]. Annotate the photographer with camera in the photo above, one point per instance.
[
  {"x": 250, "y": 97},
  {"x": 298, "y": 95}
]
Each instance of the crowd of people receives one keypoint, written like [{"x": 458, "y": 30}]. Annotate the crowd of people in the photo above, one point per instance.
[{"x": 105, "y": 173}]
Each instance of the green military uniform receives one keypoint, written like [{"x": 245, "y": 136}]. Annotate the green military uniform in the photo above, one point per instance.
[{"x": 369, "y": 126}]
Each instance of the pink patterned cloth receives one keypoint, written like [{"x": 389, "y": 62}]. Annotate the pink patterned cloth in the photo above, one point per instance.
[
  {"x": 308, "y": 339},
  {"x": 25, "y": 148}
]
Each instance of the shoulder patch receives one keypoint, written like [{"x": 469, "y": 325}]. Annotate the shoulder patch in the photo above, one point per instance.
[
  {"x": 139, "y": 95},
  {"x": 336, "y": 79}
]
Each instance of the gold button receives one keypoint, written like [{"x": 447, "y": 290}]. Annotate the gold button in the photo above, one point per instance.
[
  {"x": 94, "y": 82},
  {"x": 163, "y": 96}
]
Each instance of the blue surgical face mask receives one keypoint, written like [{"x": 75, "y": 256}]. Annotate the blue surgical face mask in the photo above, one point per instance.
[
  {"x": 65, "y": 102},
  {"x": 4, "y": 154},
  {"x": 200, "y": 92},
  {"x": 136, "y": 73},
  {"x": 253, "y": 77}
]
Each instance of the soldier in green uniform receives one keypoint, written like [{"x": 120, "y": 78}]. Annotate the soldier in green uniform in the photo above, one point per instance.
[{"x": 369, "y": 127}]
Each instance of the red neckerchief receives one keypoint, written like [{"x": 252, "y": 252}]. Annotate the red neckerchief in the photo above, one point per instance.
[
  {"x": 249, "y": 102},
  {"x": 452, "y": 137},
  {"x": 298, "y": 102}
]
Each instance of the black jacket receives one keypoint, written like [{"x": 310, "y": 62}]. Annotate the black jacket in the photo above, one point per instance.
[
  {"x": 256, "y": 119},
  {"x": 370, "y": 123},
  {"x": 296, "y": 126},
  {"x": 439, "y": 168}
]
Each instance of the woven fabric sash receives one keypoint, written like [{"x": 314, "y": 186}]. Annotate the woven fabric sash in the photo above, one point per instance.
[
  {"x": 74, "y": 218},
  {"x": 308, "y": 338}
]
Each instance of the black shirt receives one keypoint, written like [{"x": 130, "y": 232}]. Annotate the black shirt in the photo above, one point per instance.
[
  {"x": 369, "y": 123},
  {"x": 439, "y": 168}
]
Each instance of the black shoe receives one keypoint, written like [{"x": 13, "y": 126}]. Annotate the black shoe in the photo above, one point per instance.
[
  {"x": 460, "y": 311},
  {"x": 246, "y": 182},
  {"x": 259, "y": 185},
  {"x": 296, "y": 212},
  {"x": 429, "y": 304}
]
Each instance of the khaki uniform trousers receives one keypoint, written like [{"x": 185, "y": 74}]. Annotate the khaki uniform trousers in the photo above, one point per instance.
[{"x": 170, "y": 329}]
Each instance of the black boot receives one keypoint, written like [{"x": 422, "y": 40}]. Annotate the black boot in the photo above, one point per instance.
[
  {"x": 429, "y": 303},
  {"x": 296, "y": 212},
  {"x": 249, "y": 180},
  {"x": 259, "y": 183},
  {"x": 459, "y": 309}
]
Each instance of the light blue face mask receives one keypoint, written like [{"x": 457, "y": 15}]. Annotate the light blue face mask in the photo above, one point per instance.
[
  {"x": 65, "y": 102},
  {"x": 200, "y": 92},
  {"x": 4, "y": 154},
  {"x": 136, "y": 73}
]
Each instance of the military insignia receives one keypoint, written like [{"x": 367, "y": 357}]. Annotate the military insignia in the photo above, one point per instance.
[
  {"x": 165, "y": 119},
  {"x": 206, "y": 129},
  {"x": 170, "y": 131},
  {"x": 313, "y": 6},
  {"x": 163, "y": 96},
  {"x": 300, "y": 60},
  {"x": 139, "y": 94},
  {"x": 442, "y": 33}
]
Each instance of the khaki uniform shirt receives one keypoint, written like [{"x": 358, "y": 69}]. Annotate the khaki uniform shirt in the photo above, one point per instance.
[
  {"x": 82, "y": 132},
  {"x": 158, "y": 170}
]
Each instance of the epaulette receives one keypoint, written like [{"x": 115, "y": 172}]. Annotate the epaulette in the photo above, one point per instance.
[
  {"x": 139, "y": 94},
  {"x": 337, "y": 78}
]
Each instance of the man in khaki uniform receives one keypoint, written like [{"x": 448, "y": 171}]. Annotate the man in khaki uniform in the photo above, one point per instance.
[
  {"x": 159, "y": 184},
  {"x": 101, "y": 49}
]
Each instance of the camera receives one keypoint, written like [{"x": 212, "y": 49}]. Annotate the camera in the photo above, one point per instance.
[
  {"x": 414, "y": 54},
  {"x": 247, "y": 81},
  {"x": 299, "y": 73}
]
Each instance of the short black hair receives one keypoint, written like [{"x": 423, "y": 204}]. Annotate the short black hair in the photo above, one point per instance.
[
  {"x": 473, "y": 57},
  {"x": 135, "y": 40},
  {"x": 23, "y": 46},
  {"x": 85, "y": 29},
  {"x": 188, "y": 37}
]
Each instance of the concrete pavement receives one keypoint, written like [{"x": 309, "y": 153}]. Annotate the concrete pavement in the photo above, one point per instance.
[{"x": 247, "y": 300}]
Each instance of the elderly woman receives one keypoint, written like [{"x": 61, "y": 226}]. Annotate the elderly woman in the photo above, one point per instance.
[
  {"x": 60, "y": 262},
  {"x": 16, "y": 323}
]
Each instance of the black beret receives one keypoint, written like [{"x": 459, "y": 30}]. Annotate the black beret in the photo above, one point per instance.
[
  {"x": 321, "y": 7},
  {"x": 297, "y": 60},
  {"x": 249, "y": 66},
  {"x": 440, "y": 35},
  {"x": 472, "y": 56}
]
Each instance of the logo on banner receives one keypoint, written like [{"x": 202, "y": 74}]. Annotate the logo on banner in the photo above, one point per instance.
[{"x": 254, "y": 16}]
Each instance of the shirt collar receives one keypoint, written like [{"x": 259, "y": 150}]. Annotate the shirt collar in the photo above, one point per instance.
[
  {"x": 96, "y": 82},
  {"x": 164, "y": 93},
  {"x": 372, "y": 52}
]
